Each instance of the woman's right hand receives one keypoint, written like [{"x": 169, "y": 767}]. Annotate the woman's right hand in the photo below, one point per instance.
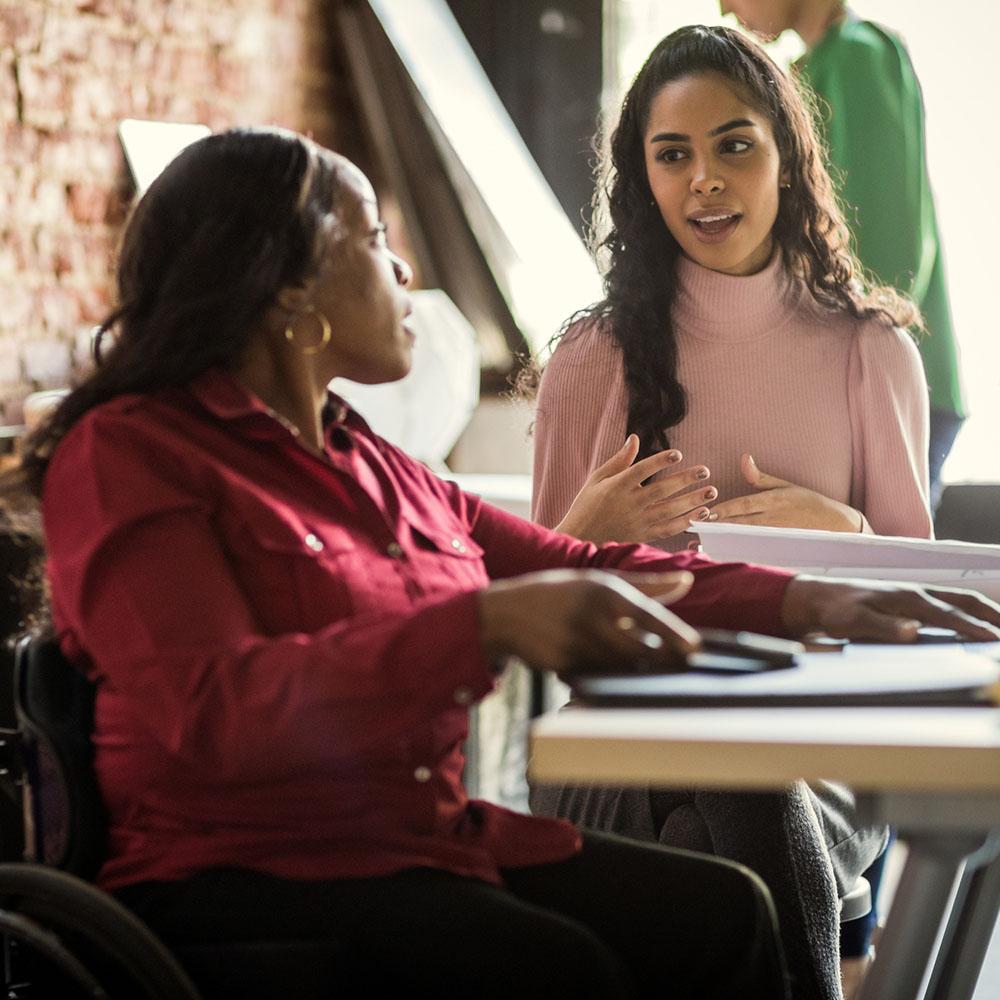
[
  {"x": 569, "y": 620},
  {"x": 614, "y": 506}
]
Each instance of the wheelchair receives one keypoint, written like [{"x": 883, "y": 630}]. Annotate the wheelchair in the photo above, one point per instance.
[{"x": 61, "y": 936}]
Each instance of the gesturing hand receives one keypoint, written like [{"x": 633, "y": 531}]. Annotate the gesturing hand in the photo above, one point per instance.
[
  {"x": 782, "y": 504},
  {"x": 569, "y": 620},
  {"x": 885, "y": 612},
  {"x": 613, "y": 505}
]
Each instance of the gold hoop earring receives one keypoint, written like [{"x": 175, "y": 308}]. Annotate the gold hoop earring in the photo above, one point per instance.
[{"x": 325, "y": 331}]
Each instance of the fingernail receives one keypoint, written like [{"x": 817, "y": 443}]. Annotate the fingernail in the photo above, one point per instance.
[
  {"x": 704, "y": 515},
  {"x": 703, "y": 473},
  {"x": 674, "y": 456},
  {"x": 710, "y": 494},
  {"x": 751, "y": 459},
  {"x": 713, "y": 517}
]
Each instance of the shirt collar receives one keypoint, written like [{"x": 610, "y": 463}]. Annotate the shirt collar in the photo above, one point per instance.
[{"x": 227, "y": 398}]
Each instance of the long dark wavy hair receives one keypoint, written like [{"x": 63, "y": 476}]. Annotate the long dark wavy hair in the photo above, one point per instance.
[
  {"x": 639, "y": 255},
  {"x": 236, "y": 217}
]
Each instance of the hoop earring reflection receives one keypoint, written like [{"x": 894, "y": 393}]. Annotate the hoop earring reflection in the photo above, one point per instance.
[{"x": 325, "y": 331}]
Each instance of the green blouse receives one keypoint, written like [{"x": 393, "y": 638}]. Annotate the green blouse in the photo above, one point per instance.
[{"x": 874, "y": 128}]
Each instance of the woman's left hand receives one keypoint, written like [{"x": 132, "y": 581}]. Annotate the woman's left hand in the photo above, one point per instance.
[{"x": 781, "y": 504}]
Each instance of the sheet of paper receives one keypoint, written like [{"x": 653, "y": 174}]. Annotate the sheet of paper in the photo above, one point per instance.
[
  {"x": 797, "y": 548},
  {"x": 986, "y": 581}
]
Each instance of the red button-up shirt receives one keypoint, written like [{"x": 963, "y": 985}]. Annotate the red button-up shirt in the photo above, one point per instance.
[{"x": 285, "y": 645}]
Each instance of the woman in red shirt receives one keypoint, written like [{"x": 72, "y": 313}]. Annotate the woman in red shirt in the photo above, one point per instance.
[{"x": 286, "y": 619}]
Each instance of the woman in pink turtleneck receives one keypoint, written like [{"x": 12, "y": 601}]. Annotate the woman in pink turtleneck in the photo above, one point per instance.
[
  {"x": 739, "y": 356},
  {"x": 736, "y": 349}
]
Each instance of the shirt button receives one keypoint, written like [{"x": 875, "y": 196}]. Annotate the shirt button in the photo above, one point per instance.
[
  {"x": 395, "y": 550},
  {"x": 456, "y": 544},
  {"x": 314, "y": 543},
  {"x": 422, "y": 774},
  {"x": 463, "y": 695}
]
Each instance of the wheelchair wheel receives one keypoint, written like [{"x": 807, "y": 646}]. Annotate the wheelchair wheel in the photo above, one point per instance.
[{"x": 64, "y": 937}]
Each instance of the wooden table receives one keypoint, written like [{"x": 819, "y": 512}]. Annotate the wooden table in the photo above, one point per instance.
[{"x": 933, "y": 773}]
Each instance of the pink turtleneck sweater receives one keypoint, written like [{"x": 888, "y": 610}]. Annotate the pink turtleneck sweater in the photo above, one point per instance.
[{"x": 821, "y": 400}]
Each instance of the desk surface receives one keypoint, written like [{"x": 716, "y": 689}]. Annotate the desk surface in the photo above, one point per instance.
[{"x": 902, "y": 749}]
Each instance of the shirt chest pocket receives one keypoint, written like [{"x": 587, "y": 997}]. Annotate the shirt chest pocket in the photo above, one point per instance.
[
  {"x": 297, "y": 576},
  {"x": 448, "y": 559}
]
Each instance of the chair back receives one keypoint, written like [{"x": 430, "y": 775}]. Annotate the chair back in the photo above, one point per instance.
[
  {"x": 66, "y": 827},
  {"x": 64, "y": 817},
  {"x": 969, "y": 512}
]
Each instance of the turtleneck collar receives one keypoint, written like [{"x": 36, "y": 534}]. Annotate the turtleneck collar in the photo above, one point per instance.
[{"x": 715, "y": 306}]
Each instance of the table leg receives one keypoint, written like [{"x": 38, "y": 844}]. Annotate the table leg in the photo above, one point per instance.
[
  {"x": 970, "y": 927},
  {"x": 919, "y": 905}
]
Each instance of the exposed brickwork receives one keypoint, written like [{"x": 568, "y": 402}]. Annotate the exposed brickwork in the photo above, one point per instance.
[{"x": 69, "y": 71}]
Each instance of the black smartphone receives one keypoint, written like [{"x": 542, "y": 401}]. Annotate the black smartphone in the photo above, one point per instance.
[{"x": 725, "y": 652}]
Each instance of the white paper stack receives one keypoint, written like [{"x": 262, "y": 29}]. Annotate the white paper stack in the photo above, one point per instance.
[{"x": 879, "y": 557}]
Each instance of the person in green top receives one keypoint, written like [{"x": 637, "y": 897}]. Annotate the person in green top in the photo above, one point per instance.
[{"x": 873, "y": 118}]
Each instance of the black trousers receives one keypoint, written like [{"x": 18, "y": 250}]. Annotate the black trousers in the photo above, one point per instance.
[
  {"x": 944, "y": 429},
  {"x": 621, "y": 919},
  {"x": 804, "y": 842}
]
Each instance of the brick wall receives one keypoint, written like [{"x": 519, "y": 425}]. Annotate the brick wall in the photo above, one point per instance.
[{"x": 69, "y": 71}]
